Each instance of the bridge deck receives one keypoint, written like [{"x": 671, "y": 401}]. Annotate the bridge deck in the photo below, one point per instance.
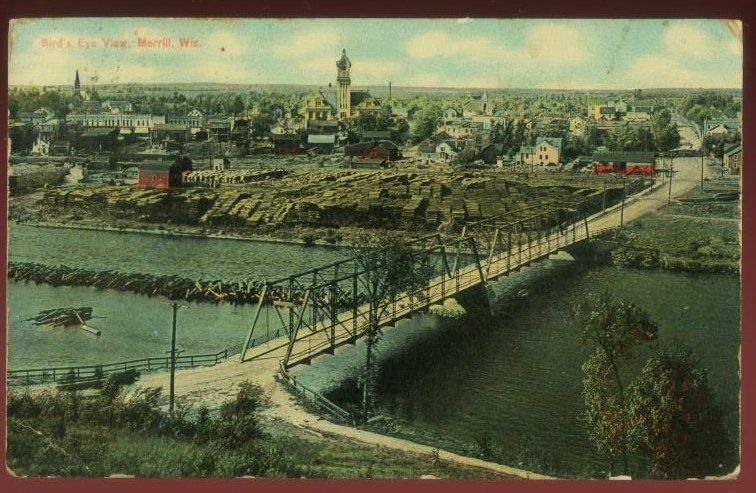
[{"x": 351, "y": 324}]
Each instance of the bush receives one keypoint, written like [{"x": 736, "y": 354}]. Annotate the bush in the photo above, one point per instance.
[
  {"x": 308, "y": 239},
  {"x": 75, "y": 431},
  {"x": 332, "y": 237}
]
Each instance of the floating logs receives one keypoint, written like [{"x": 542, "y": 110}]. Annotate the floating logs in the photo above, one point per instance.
[
  {"x": 66, "y": 317},
  {"x": 63, "y": 316},
  {"x": 172, "y": 287}
]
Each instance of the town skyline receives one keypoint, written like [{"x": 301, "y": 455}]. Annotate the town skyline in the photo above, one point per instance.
[{"x": 445, "y": 54}]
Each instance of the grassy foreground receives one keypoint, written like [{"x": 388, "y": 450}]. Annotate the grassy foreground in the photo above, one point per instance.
[{"x": 54, "y": 433}]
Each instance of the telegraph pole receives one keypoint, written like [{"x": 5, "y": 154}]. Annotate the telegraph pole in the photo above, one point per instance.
[
  {"x": 671, "y": 172},
  {"x": 171, "y": 400},
  {"x": 603, "y": 200},
  {"x": 703, "y": 153},
  {"x": 622, "y": 209}
]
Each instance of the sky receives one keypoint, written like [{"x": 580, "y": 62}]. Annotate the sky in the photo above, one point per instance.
[{"x": 475, "y": 53}]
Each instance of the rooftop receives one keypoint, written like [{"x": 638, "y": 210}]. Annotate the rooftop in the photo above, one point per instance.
[{"x": 625, "y": 156}]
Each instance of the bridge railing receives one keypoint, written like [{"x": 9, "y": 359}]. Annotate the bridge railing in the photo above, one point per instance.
[
  {"x": 316, "y": 398},
  {"x": 68, "y": 374},
  {"x": 311, "y": 344}
]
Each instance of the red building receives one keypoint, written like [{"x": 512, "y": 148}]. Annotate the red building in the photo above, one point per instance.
[
  {"x": 625, "y": 162},
  {"x": 384, "y": 150},
  {"x": 163, "y": 175}
]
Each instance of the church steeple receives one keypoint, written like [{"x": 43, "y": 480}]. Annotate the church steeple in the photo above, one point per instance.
[{"x": 77, "y": 82}]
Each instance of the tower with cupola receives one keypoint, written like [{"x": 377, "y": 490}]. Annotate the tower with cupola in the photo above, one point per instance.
[{"x": 344, "y": 82}]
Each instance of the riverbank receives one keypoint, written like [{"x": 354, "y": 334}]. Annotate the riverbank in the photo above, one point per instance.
[
  {"x": 695, "y": 234},
  {"x": 304, "y": 237},
  {"x": 129, "y": 434}
]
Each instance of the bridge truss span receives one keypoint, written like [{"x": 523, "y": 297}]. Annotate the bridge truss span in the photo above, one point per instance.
[{"x": 323, "y": 308}]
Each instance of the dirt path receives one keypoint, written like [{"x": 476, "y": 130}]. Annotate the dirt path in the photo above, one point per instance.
[
  {"x": 702, "y": 218},
  {"x": 212, "y": 385}
]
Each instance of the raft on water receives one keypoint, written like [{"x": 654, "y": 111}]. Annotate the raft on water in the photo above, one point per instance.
[{"x": 66, "y": 317}]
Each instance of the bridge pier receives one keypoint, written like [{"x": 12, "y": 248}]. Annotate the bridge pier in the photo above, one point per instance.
[
  {"x": 587, "y": 252},
  {"x": 476, "y": 301}
]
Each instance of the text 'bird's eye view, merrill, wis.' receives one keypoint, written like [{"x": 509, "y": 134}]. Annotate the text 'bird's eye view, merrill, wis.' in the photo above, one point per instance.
[{"x": 500, "y": 249}]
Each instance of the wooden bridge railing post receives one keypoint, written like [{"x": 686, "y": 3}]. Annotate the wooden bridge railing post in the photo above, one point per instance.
[
  {"x": 477, "y": 259},
  {"x": 585, "y": 221}
]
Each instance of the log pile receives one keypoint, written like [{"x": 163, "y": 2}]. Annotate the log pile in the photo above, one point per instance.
[
  {"x": 172, "y": 287},
  {"x": 327, "y": 198}
]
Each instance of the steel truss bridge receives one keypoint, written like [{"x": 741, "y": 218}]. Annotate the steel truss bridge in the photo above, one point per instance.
[{"x": 325, "y": 307}]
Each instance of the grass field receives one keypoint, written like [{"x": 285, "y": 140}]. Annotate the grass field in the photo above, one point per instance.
[{"x": 694, "y": 236}]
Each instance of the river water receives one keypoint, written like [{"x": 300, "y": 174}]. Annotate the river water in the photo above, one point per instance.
[
  {"x": 191, "y": 257},
  {"x": 511, "y": 380},
  {"x": 135, "y": 326}
]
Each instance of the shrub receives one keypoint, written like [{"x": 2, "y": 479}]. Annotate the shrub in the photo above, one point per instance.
[{"x": 308, "y": 239}]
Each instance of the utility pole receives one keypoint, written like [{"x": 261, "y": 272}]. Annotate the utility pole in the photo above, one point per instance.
[
  {"x": 702, "y": 170},
  {"x": 603, "y": 200},
  {"x": 664, "y": 168},
  {"x": 622, "y": 208},
  {"x": 671, "y": 172},
  {"x": 173, "y": 360}
]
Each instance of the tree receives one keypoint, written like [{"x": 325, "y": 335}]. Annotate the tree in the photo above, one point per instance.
[
  {"x": 664, "y": 131},
  {"x": 389, "y": 268},
  {"x": 574, "y": 146},
  {"x": 673, "y": 418},
  {"x": 465, "y": 156},
  {"x": 373, "y": 120},
  {"x": 627, "y": 138},
  {"x": 426, "y": 122},
  {"x": 611, "y": 331},
  {"x": 237, "y": 105}
]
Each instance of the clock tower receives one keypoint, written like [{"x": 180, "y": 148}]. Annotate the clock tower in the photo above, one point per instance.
[{"x": 343, "y": 81}]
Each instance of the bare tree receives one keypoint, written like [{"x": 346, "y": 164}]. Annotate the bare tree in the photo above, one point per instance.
[{"x": 389, "y": 269}]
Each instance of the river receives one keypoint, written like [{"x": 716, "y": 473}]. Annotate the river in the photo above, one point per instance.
[
  {"x": 193, "y": 257},
  {"x": 135, "y": 326},
  {"x": 513, "y": 380}
]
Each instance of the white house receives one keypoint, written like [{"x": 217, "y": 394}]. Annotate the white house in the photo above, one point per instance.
[
  {"x": 546, "y": 151},
  {"x": 447, "y": 150}
]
